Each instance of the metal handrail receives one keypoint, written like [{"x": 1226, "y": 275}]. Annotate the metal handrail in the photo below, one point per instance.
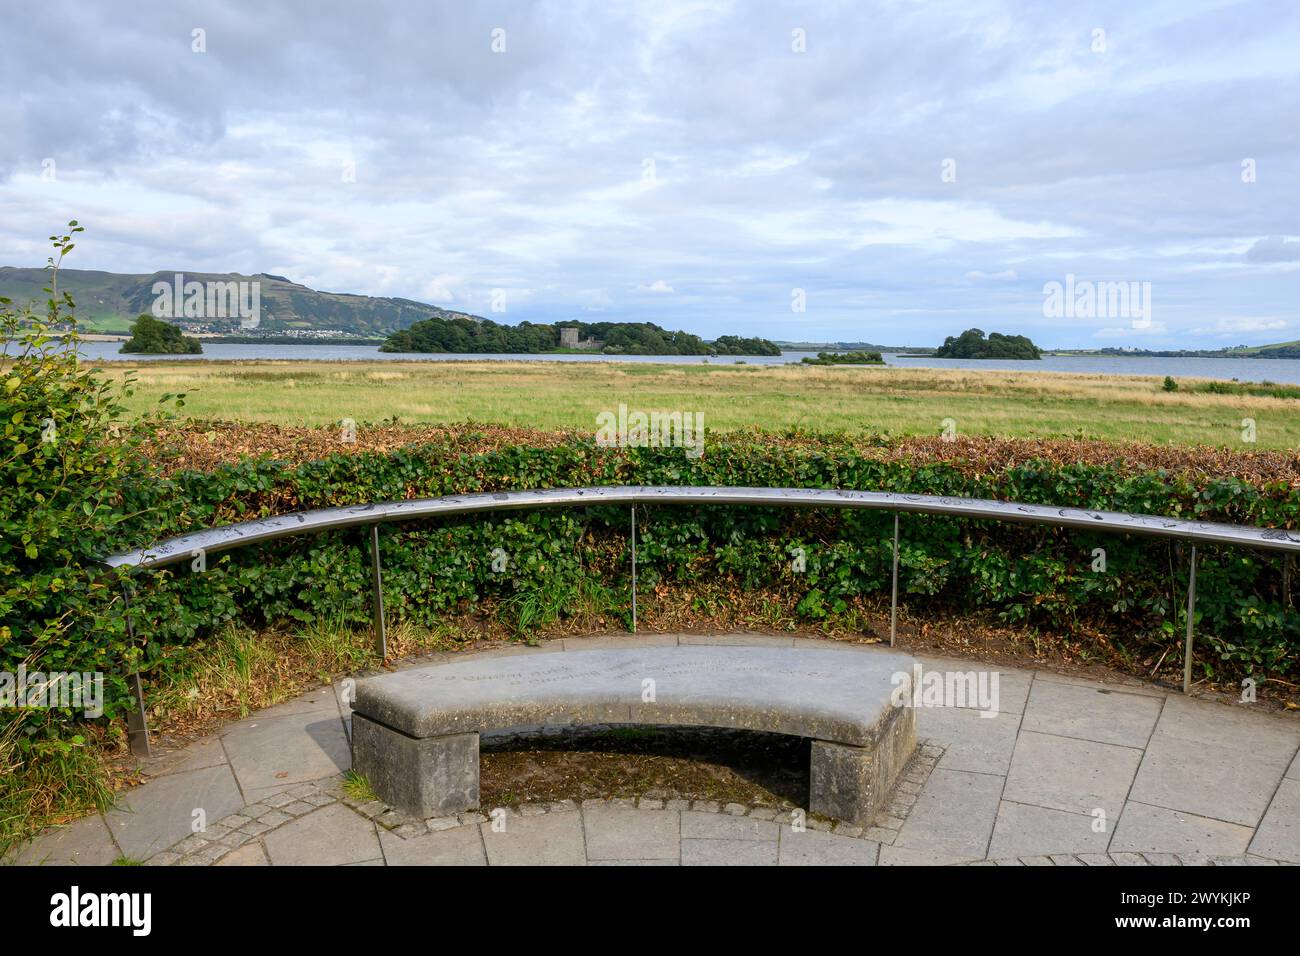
[
  {"x": 182, "y": 547},
  {"x": 198, "y": 544}
]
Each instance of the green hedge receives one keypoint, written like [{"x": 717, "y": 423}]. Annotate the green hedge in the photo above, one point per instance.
[
  {"x": 1037, "y": 576},
  {"x": 1031, "y": 575}
]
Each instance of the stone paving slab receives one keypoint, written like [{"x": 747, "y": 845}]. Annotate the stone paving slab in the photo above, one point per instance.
[
  {"x": 461, "y": 846},
  {"x": 1063, "y": 773},
  {"x": 715, "y": 826},
  {"x": 330, "y": 836},
  {"x": 1115, "y": 683},
  {"x": 813, "y": 848},
  {"x": 556, "y": 838},
  {"x": 1267, "y": 736},
  {"x": 196, "y": 756},
  {"x": 274, "y": 752},
  {"x": 697, "y": 852},
  {"x": 251, "y": 854},
  {"x": 1005, "y": 791},
  {"x": 954, "y": 815},
  {"x": 1144, "y": 829},
  {"x": 628, "y": 834},
  {"x": 1022, "y": 829},
  {"x": 1013, "y": 684},
  {"x": 159, "y": 814},
  {"x": 84, "y": 842},
  {"x": 1091, "y": 713},
  {"x": 1278, "y": 836},
  {"x": 613, "y": 641},
  {"x": 972, "y": 741},
  {"x": 910, "y": 856},
  {"x": 1225, "y": 783},
  {"x": 735, "y": 640},
  {"x": 322, "y": 700}
]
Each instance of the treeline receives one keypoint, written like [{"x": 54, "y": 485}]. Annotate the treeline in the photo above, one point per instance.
[
  {"x": 972, "y": 344},
  {"x": 846, "y": 358},
  {"x": 1285, "y": 351},
  {"x": 617, "y": 338},
  {"x": 464, "y": 335}
]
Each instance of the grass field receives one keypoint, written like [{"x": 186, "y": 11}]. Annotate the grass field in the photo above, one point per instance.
[{"x": 853, "y": 399}]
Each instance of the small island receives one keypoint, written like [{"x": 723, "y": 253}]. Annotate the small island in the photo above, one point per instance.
[
  {"x": 972, "y": 344},
  {"x": 846, "y": 358},
  {"x": 608, "y": 338},
  {"x": 150, "y": 336}
]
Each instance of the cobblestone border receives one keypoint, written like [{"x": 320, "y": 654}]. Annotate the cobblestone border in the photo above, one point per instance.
[
  {"x": 248, "y": 824},
  {"x": 234, "y": 831},
  {"x": 253, "y": 821},
  {"x": 884, "y": 828}
]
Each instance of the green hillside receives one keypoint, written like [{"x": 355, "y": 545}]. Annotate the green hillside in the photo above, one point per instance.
[
  {"x": 108, "y": 301},
  {"x": 1276, "y": 350}
]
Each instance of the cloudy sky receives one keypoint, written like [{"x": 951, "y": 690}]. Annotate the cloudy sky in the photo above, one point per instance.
[{"x": 914, "y": 168}]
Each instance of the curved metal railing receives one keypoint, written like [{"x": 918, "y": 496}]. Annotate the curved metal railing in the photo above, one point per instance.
[
  {"x": 196, "y": 545},
  {"x": 177, "y": 549}
]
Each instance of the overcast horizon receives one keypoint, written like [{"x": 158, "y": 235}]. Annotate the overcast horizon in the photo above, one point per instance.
[{"x": 901, "y": 171}]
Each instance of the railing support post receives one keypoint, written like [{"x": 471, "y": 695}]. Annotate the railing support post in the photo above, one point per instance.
[
  {"x": 634, "y": 569},
  {"x": 1286, "y": 580},
  {"x": 1191, "y": 619},
  {"x": 377, "y": 585},
  {"x": 137, "y": 722},
  {"x": 893, "y": 596}
]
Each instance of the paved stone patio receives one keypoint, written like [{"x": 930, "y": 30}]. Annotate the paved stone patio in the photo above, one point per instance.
[{"x": 1069, "y": 772}]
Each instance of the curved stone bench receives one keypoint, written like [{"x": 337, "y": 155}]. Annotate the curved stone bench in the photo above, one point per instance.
[{"x": 415, "y": 734}]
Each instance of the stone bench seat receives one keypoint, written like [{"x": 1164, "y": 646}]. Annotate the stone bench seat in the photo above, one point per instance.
[{"x": 415, "y": 734}]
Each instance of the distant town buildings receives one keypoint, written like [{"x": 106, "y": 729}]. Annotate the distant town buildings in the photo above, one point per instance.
[{"x": 219, "y": 329}]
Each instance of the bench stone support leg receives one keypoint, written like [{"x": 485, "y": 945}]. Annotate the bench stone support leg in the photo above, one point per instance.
[
  {"x": 852, "y": 783},
  {"x": 429, "y": 777}
]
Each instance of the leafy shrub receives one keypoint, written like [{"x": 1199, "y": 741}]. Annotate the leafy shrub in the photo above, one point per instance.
[
  {"x": 64, "y": 460},
  {"x": 150, "y": 336},
  {"x": 1035, "y": 576}
]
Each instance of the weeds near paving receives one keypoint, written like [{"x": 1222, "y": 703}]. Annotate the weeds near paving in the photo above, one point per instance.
[
  {"x": 240, "y": 670},
  {"x": 583, "y": 599},
  {"x": 358, "y": 787},
  {"x": 53, "y": 780}
]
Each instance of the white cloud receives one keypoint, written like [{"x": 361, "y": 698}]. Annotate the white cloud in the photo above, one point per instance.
[
  {"x": 772, "y": 170},
  {"x": 1227, "y": 326},
  {"x": 658, "y": 286},
  {"x": 1154, "y": 327},
  {"x": 440, "y": 288}
]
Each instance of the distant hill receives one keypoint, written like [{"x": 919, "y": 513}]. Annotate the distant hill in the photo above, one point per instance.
[
  {"x": 1278, "y": 350},
  {"x": 109, "y": 301}
]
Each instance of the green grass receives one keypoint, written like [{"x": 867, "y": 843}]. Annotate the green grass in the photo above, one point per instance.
[
  {"x": 49, "y": 781},
  {"x": 358, "y": 787},
  {"x": 548, "y": 395},
  {"x": 1260, "y": 389}
]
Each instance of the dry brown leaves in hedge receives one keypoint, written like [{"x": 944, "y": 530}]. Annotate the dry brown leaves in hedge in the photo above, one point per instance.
[{"x": 203, "y": 446}]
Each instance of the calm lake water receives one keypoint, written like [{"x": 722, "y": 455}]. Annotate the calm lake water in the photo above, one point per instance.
[{"x": 1245, "y": 370}]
